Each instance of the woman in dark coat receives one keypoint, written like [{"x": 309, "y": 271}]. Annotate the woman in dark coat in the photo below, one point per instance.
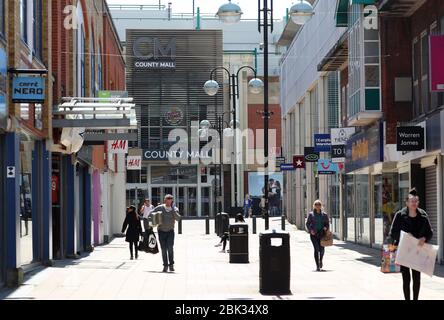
[
  {"x": 317, "y": 225},
  {"x": 132, "y": 222},
  {"x": 415, "y": 221}
]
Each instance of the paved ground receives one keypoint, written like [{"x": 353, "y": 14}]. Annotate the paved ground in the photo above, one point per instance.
[{"x": 202, "y": 272}]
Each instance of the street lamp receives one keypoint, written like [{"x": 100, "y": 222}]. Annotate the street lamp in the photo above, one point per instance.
[
  {"x": 300, "y": 13},
  {"x": 255, "y": 86},
  {"x": 229, "y": 13}
]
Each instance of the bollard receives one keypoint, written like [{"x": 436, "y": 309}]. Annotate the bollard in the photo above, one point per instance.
[
  {"x": 283, "y": 222},
  {"x": 254, "y": 224},
  {"x": 180, "y": 226},
  {"x": 207, "y": 225}
]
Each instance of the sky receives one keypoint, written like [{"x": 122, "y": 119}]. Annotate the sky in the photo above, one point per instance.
[{"x": 249, "y": 7}]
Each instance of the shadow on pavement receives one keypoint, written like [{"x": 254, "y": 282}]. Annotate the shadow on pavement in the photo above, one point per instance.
[{"x": 374, "y": 256}]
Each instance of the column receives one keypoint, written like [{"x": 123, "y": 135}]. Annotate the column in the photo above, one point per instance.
[
  {"x": 14, "y": 274},
  {"x": 88, "y": 210},
  {"x": 69, "y": 207}
]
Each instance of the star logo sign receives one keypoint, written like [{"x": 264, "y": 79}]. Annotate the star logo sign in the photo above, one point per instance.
[{"x": 299, "y": 162}]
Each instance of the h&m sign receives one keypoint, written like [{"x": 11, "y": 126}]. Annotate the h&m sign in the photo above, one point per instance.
[
  {"x": 118, "y": 146},
  {"x": 28, "y": 90},
  {"x": 151, "y": 54}
]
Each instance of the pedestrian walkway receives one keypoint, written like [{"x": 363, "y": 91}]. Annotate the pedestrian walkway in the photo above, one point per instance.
[{"x": 204, "y": 273}]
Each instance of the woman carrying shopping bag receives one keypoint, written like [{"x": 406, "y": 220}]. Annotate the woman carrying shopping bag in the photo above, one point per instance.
[
  {"x": 318, "y": 226},
  {"x": 415, "y": 221}
]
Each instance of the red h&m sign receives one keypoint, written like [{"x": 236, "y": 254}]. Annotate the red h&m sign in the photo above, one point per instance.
[
  {"x": 118, "y": 146},
  {"x": 437, "y": 63},
  {"x": 134, "y": 163}
]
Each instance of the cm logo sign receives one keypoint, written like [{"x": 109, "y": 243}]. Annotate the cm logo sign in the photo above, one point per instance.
[{"x": 148, "y": 48}]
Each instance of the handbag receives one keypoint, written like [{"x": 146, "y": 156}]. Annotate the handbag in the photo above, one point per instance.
[
  {"x": 388, "y": 264},
  {"x": 327, "y": 239}
]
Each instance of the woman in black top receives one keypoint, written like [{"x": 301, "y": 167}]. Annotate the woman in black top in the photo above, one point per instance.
[
  {"x": 134, "y": 230},
  {"x": 415, "y": 221}
]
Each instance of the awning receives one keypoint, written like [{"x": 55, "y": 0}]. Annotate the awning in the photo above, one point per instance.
[
  {"x": 400, "y": 8},
  {"x": 342, "y": 10},
  {"x": 337, "y": 55}
]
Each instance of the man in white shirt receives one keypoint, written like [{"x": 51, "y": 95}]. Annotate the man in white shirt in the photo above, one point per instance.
[{"x": 145, "y": 211}]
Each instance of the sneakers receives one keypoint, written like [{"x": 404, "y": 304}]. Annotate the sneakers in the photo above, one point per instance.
[
  {"x": 218, "y": 245},
  {"x": 222, "y": 251},
  {"x": 165, "y": 269},
  {"x": 172, "y": 269}
]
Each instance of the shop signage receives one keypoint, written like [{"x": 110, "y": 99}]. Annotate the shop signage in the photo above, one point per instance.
[
  {"x": 279, "y": 161},
  {"x": 174, "y": 116},
  {"x": 287, "y": 167},
  {"x": 28, "y": 90},
  {"x": 325, "y": 166},
  {"x": 3, "y": 75},
  {"x": 410, "y": 138},
  {"x": 118, "y": 147},
  {"x": 310, "y": 155},
  {"x": 437, "y": 63},
  {"x": 322, "y": 142},
  {"x": 299, "y": 162},
  {"x": 339, "y": 136},
  {"x": 338, "y": 153},
  {"x": 134, "y": 163},
  {"x": 152, "y": 54},
  {"x": 162, "y": 155},
  {"x": 364, "y": 149},
  {"x": 10, "y": 172}
]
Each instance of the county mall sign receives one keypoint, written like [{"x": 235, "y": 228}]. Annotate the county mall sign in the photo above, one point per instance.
[{"x": 151, "y": 54}]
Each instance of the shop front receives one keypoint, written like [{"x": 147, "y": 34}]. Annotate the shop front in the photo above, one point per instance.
[
  {"x": 191, "y": 186},
  {"x": 371, "y": 189}
]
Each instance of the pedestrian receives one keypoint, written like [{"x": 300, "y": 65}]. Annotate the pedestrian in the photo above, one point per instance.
[
  {"x": 411, "y": 219},
  {"x": 169, "y": 214},
  {"x": 226, "y": 235},
  {"x": 133, "y": 230},
  {"x": 145, "y": 212},
  {"x": 247, "y": 206},
  {"x": 317, "y": 225}
]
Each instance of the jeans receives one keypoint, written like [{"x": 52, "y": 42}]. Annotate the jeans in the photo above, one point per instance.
[
  {"x": 246, "y": 212},
  {"x": 318, "y": 250},
  {"x": 416, "y": 275},
  {"x": 166, "y": 240}
]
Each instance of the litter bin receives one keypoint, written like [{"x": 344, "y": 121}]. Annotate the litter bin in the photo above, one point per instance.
[
  {"x": 274, "y": 262},
  {"x": 239, "y": 243},
  {"x": 222, "y": 221},
  {"x": 217, "y": 222}
]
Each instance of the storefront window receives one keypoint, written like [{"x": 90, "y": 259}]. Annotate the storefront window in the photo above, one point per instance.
[
  {"x": 362, "y": 208},
  {"x": 26, "y": 214},
  {"x": 350, "y": 234},
  {"x": 333, "y": 202},
  {"x": 173, "y": 175}
]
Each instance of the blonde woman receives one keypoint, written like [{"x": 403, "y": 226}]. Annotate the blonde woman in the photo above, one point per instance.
[{"x": 317, "y": 225}]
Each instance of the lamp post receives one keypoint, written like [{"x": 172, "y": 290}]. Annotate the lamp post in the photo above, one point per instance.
[
  {"x": 300, "y": 13},
  {"x": 255, "y": 86}
]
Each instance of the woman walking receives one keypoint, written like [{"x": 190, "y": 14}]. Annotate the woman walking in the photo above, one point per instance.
[
  {"x": 133, "y": 229},
  {"x": 415, "y": 221},
  {"x": 317, "y": 225}
]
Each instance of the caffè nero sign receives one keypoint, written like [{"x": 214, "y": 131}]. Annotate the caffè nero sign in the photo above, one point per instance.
[{"x": 152, "y": 53}]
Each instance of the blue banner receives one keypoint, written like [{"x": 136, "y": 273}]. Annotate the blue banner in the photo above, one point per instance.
[
  {"x": 325, "y": 166},
  {"x": 28, "y": 90},
  {"x": 322, "y": 142},
  {"x": 287, "y": 167},
  {"x": 364, "y": 149}
]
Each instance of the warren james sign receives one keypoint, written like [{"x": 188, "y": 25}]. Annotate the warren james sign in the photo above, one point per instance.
[
  {"x": 151, "y": 54},
  {"x": 322, "y": 142},
  {"x": 410, "y": 138}
]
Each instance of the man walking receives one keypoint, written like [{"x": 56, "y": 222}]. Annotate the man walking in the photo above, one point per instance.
[
  {"x": 145, "y": 211},
  {"x": 169, "y": 214}
]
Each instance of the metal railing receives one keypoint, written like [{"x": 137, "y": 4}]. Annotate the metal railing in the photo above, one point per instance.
[{"x": 140, "y": 7}]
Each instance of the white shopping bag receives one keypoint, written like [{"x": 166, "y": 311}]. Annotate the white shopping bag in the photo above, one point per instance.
[{"x": 415, "y": 257}]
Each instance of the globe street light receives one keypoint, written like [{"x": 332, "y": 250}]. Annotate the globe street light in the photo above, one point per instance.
[
  {"x": 301, "y": 12},
  {"x": 229, "y": 13},
  {"x": 211, "y": 87}
]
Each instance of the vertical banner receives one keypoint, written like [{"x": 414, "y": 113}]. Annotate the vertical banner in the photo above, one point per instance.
[{"x": 436, "y": 63}]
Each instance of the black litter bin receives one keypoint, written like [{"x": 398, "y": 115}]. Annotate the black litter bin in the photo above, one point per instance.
[
  {"x": 274, "y": 262},
  {"x": 239, "y": 243},
  {"x": 216, "y": 223},
  {"x": 222, "y": 222}
]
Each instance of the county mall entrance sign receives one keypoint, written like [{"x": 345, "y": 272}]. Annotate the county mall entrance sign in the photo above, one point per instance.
[{"x": 151, "y": 54}]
